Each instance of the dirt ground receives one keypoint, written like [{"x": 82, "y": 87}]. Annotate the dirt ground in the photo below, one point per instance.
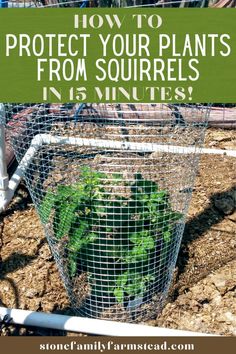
[{"x": 203, "y": 295}]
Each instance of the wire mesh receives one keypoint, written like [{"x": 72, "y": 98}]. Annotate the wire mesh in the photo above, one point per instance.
[
  {"x": 223, "y": 116},
  {"x": 112, "y": 201},
  {"x": 112, "y": 190},
  {"x": 117, "y": 3}
]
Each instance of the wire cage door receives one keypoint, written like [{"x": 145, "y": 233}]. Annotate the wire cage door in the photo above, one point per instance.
[{"x": 112, "y": 185}]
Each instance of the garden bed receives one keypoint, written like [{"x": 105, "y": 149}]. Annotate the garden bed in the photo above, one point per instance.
[{"x": 202, "y": 297}]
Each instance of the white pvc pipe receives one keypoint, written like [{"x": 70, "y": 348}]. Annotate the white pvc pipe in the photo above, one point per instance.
[
  {"x": 47, "y": 139},
  {"x": 12, "y": 187},
  {"x": 123, "y": 145},
  {"x": 90, "y": 325},
  {"x": 3, "y": 165},
  {"x": 14, "y": 182}
]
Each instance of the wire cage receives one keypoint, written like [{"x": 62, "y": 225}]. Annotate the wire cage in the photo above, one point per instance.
[{"x": 112, "y": 185}]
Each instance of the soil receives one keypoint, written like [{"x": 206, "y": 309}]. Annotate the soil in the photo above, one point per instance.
[{"x": 203, "y": 294}]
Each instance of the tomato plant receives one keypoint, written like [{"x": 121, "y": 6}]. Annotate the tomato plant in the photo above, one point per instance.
[{"x": 104, "y": 226}]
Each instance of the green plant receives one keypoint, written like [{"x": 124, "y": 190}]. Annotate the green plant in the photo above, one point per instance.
[
  {"x": 102, "y": 226},
  {"x": 131, "y": 283}
]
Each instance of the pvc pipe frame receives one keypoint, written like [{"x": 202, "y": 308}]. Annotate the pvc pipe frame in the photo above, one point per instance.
[
  {"x": 47, "y": 139},
  {"x": 90, "y": 325},
  {"x": 80, "y": 324}
]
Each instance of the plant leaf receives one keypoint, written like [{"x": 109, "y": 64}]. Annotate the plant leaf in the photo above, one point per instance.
[{"x": 119, "y": 295}]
